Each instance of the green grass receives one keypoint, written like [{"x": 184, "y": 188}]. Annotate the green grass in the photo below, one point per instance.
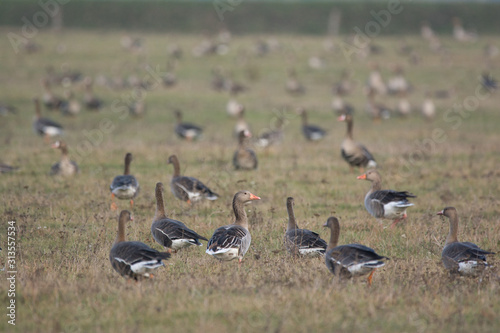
[{"x": 65, "y": 227}]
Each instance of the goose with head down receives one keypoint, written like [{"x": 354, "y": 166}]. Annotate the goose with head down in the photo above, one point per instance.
[
  {"x": 385, "y": 204},
  {"x": 346, "y": 261},
  {"x": 232, "y": 241},
  {"x": 171, "y": 233},
  {"x": 134, "y": 260},
  {"x": 126, "y": 186},
  {"x": 188, "y": 189},
  {"x": 464, "y": 258},
  {"x": 301, "y": 241}
]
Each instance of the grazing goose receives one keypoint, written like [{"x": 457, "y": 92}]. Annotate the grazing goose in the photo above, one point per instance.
[
  {"x": 170, "y": 233},
  {"x": 301, "y": 241},
  {"x": 354, "y": 153},
  {"x": 188, "y": 189},
  {"x": 126, "y": 186},
  {"x": 91, "y": 102},
  {"x": 464, "y": 258},
  {"x": 133, "y": 260},
  {"x": 311, "y": 132},
  {"x": 43, "y": 126},
  {"x": 272, "y": 137},
  {"x": 232, "y": 241},
  {"x": 186, "y": 131},
  {"x": 65, "y": 167},
  {"x": 244, "y": 158},
  {"x": 346, "y": 261},
  {"x": 385, "y": 204}
]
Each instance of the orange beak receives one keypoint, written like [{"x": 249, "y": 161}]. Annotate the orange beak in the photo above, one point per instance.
[
  {"x": 363, "y": 176},
  {"x": 341, "y": 118},
  {"x": 440, "y": 213},
  {"x": 254, "y": 197}
]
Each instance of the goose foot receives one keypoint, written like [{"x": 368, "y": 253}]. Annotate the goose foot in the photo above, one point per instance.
[
  {"x": 114, "y": 206},
  {"x": 370, "y": 277}
]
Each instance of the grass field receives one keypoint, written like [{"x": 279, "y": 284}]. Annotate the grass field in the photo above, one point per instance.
[{"x": 65, "y": 227}]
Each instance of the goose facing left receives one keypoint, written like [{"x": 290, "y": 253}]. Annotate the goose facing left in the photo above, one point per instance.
[
  {"x": 126, "y": 186},
  {"x": 134, "y": 260},
  {"x": 43, "y": 126},
  {"x": 65, "y": 167}
]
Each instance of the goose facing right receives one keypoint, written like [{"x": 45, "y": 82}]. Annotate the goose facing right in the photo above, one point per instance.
[
  {"x": 126, "y": 186},
  {"x": 301, "y": 241},
  {"x": 350, "y": 260},
  {"x": 464, "y": 258},
  {"x": 133, "y": 260}
]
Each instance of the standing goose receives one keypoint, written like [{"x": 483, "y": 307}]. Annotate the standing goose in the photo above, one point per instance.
[
  {"x": 43, "y": 126},
  {"x": 134, "y": 260},
  {"x": 50, "y": 101},
  {"x": 354, "y": 153},
  {"x": 170, "y": 233},
  {"x": 311, "y": 132},
  {"x": 188, "y": 189},
  {"x": 244, "y": 158},
  {"x": 232, "y": 241},
  {"x": 91, "y": 101},
  {"x": 186, "y": 131},
  {"x": 271, "y": 137},
  {"x": 301, "y": 241},
  {"x": 464, "y": 258},
  {"x": 241, "y": 124},
  {"x": 293, "y": 85},
  {"x": 346, "y": 261},
  {"x": 386, "y": 204},
  {"x": 126, "y": 186},
  {"x": 65, "y": 167}
]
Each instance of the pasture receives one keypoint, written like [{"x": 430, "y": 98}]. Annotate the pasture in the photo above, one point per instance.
[{"x": 65, "y": 227}]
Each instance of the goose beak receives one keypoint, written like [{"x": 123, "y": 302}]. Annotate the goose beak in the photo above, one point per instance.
[
  {"x": 341, "y": 118},
  {"x": 326, "y": 224},
  {"x": 440, "y": 213},
  {"x": 55, "y": 144},
  {"x": 363, "y": 176},
  {"x": 254, "y": 197}
]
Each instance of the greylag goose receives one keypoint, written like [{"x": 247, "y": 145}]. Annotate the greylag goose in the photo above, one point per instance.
[
  {"x": 169, "y": 78},
  {"x": 186, "y": 131},
  {"x": 43, "y": 126},
  {"x": 65, "y": 167},
  {"x": 346, "y": 261},
  {"x": 241, "y": 124},
  {"x": 137, "y": 108},
  {"x": 188, "y": 189},
  {"x": 301, "y": 241},
  {"x": 244, "y": 158},
  {"x": 126, "y": 186},
  {"x": 428, "y": 108},
  {"x": 292, "y": 85},
  {"x": 50, "y": 101},
  {"x": 354, "y": 153},
  {"x": 71, "y": 106},
  {"x": 5, "y": 168},
  {"x": 311, "y": 132},
  {"x": 232, "y": 241},
  {"x": 464, "y": 258},
  {"x": 91, "y": 102},
  {"x": 233, "y": 108},
  {"x": 133, "y": 260},
  {"x": 272, "y": 137},
  {"x": 375, "y": 81},
  {"x": 171, "y": 233},
  {"x": 385, "y": 204}
]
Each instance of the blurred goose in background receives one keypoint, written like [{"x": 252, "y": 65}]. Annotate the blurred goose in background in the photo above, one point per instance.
[
  {"x": 241, "y": 124},
  {"x": 232, "y": 241},
  {"x": 340, "y": 106},
  {"x": 464, "y": 258},
  {"x": 71, "y": 106},
  {"x": 272, "y": 137},
  {"x": 403, "y": 107},
  {"x": 351, "y": 260},
  {"x": 50, "y": 101},
  {"x": 169, "y": 79},
  {"x": 301, "y": 241},
  {"x": 137, "y": 108},
  {"x": 5, "y": 109},
  {"x": 90, "y": 100},
  {"x": 428, "y": 107},
  {"x": 375, "y": 82},
  {"x": 355, "y": 154},
  {"x": 187, "y": 131},
  {"x": 460, "y": 34},
  {"x": 376, "y": 111},
  {"x": 233, "y": 108},
  {"x": 43, "y": 126},
  {"x": 65, "y": 167},
  {"x": 126, "y": 186},
  {"x": 488, "y": 82},
  {"x": 292, "y": 85},
  {"x": 171, "y": 233},
  {"x": 217, "y": 81},
  {"x": 188, "y": 189},
  {"x": 244, "y": 158},
  {"x": 385, "y": 204},
  {"x": 5, "y": 168},
  {"x": 398, "y": 83},
  {"x": 311, "y": 132},
  {"x": 134, "y": 260},
  {"x": 426, "y": 31}
]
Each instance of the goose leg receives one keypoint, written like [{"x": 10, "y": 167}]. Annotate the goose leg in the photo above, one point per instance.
[
  {"x": 113, "y": 204},
  {"x": 370, "y": 277},
  {"x": 131, "y": 203},
  {"x": 394, "y": 223}
]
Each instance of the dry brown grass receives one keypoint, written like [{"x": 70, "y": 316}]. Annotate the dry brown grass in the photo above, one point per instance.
[{"x": 65, "y": 228}]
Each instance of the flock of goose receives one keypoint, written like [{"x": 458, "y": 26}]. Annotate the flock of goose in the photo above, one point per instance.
[{"x": 137, "y": 260}]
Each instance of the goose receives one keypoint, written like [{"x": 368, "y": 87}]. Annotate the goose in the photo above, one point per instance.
[
  {"x": 137, "y": 108},
  {"x": 65, "y": 167},
  {"x": 344, "y": 86},
  {"x": 292, "y": 85},
  {"x": 375, "y": 81},
  {"x": 403, "y": 107},
  {"x": 351, "y": 260},
  {"x": 91, "y": 102},
  {"x": 301, "y": 241},
  {"x": 464, "y": 258},
  {"x": 188, "y": 189},
  {"x": 272, "y": 137},
  {"x": 244, "y": 158},
  {"x": 186, "y": 131},
  {"x": 428, "y": 107},
  {"x": 386, "y": 204},
  {"x": 71, "y": 106},
  {"x": 43, "y": 126},
  {"x": 5, "y": 109},
  {"x": 50, "y": 101},
  {"x": 126, "y": 186},
  {"x": 355, "y": 154},
  {"x": 134, "y": 260},
  {"x": 5, "y": 168},
  {"x": 169, "y": 79},
  {"x": 233, "y": 108},
  {"x": 232, "y": 241},
  {"x": 241, "y": 124},
  {"x": 311, "y": 132},
  {"x": 171, "y": 233}
]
